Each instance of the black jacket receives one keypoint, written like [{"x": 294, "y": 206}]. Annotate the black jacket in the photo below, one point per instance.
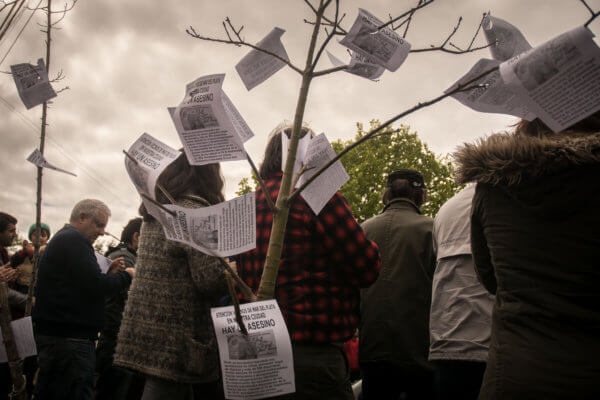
[
  {"x": 535, "y": 242},
  {"x": 71, "y": 289}
]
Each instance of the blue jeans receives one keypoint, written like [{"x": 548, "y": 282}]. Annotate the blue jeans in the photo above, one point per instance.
[{"x": 66, "y": 368}]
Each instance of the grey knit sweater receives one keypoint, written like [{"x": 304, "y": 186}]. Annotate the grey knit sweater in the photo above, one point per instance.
[{"x": 166, "y": 330}]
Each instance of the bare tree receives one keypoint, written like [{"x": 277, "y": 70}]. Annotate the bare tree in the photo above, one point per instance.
[
  {"x": 331, "y": 25},
  {"x": 47, "y": 29}
]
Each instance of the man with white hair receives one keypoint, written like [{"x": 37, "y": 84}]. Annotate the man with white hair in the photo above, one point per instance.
[{"x": 70, "y": 298}]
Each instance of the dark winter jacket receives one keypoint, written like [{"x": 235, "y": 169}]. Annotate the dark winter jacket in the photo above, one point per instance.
[
  {"x": 395, "y": 309},
  {"x": 536, "y": 243},
  {"x": 115, "y": 305},
  {"x": 71, "y": 289}
]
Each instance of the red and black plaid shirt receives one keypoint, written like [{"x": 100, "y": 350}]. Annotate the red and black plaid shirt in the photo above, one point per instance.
[{"x": 325, "y": 261}]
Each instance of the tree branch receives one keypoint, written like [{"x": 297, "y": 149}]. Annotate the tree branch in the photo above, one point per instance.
[
  {"x": 330, "y": 35},
  {"x": 455, "y": 49},
  {"x": 192, "y": 32},
  {"x": 409, "y": 12},
  {"x": 329, "y": 71},
  {"x": 261, "y": 183},
  {"x": 460, "y": 88},
  {"x": 236, "y": 303}
]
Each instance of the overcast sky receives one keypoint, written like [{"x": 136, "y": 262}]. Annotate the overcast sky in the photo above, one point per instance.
[{"x": 125, "y": 62}]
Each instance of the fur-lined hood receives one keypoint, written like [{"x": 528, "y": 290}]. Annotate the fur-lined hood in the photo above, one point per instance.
[{"x": 509, "y": 159}]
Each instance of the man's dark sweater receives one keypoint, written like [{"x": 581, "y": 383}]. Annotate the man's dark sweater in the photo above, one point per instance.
[{"x": 71, "y": 289}]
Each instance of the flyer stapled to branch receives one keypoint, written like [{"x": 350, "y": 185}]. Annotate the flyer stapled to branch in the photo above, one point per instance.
[
  {"x": 300, "y": 150},
  {"x": 257, "y": 66},
  {"x": 359, "y": 65},
  {"x": 384, "y": 46},
  {"x": 259, "y": 365},
  {"x": 559, "y": 81},
  {"x": 151, "y": 158},
  {"x": 223, "y": 230},
  {"x": 313, "y": 153},
  {"x": 23, "y": 335},
  {"x": 491, "y": 95},
  {"x": 38, "y": 159},
  {"x": 209, "y": 126},
  {"x": 322, "y": 189},
  {"x": 505, "y": 40},
  {"x": 32, "y": 83}
]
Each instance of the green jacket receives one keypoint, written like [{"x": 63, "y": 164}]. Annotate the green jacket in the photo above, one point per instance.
[
  {"x": 535, "y": 241},
  {"x": 395, "y": 309}
]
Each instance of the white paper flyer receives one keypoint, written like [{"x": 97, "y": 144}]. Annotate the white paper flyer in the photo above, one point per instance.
[
  {"x": 505, "y": 39},
  {"x": 359, "y": 65},
  {"x": 384, "y": 46},
  {"x": 559, "y": 81},
  {"x": 493, "y": 95},
  {"x": 23, "y": 335},
  {"x": 152, "y": 157},
  {"x": 32, "y": 83},
  {"x": 37, "y": 159},
  {"x": 257, "y": 66},
  {"x": 259, "y": 365},
  {"x": 209, "y": 126}
]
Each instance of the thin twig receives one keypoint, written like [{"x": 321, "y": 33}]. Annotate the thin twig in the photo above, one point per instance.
[
  {"x": 329, "y": 71},
  {"x": 328, "y": 22},
  {"x": 261, "y": 183},
  {"x": 460, "y": 88},
  {"x": 588, "y": 7},
  {"x": 236, "y": 304},
  {"x": 113, "y": 236},
  {"x": 195, "y": 35},
  {"x": 329, "y": 36},
  {"x": 300, "y": 172},
  {"x": 409, "y": 12}
]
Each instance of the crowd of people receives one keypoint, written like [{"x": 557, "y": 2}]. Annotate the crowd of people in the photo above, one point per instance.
[{"x": 495, "y": 298}]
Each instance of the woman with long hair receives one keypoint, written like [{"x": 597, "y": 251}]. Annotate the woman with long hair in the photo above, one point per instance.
[
  {"x": 535, "y": 242},
  {"x": 167, "y": 333}
]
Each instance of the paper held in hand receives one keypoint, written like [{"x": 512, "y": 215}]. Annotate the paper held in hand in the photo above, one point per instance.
[
  {"x": 257, "y": 66},
  {"x": 259, "y": 365},
  {"x": 315, "y": 153},
  {"x": 23, "y": 335},
  {"x": 32, "y": 83},
  {"x": 209, "y": 126},
  {"x": 152, "y": 157},
  {"x": 37, "y": 159},
  {"x": 223, "y": 230},
  {"x": 505, "y": 40},
  {"x": 384, "y": 46},
  {"x": 359, "y": 65},
  {"x": 103, "y": 262}
]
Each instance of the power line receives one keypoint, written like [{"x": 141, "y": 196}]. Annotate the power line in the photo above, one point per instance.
[
  {"x": 78, "y": 163},
  {"x": 20, "y": 32}
]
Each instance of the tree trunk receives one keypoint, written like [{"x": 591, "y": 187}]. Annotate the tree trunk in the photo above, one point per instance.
[{"x": 38, "y": 204}]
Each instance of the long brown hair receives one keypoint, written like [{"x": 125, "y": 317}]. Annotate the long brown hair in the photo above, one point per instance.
[
  {"x": 272, "y": 160},
  {"x": 181, "y": 178}
]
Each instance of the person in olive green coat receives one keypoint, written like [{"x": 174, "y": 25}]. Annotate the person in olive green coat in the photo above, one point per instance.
[
  {"x": 536, "y": 244},
  {"x": 394, "y": 330}
]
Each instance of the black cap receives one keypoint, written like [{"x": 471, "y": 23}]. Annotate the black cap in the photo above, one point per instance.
[{"x": 411, "y": 175}]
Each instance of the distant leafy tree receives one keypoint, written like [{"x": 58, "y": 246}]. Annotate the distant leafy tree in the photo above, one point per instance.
[
  {"x": 369, "y": 165},
  {"x": 245, "y": 187}
]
